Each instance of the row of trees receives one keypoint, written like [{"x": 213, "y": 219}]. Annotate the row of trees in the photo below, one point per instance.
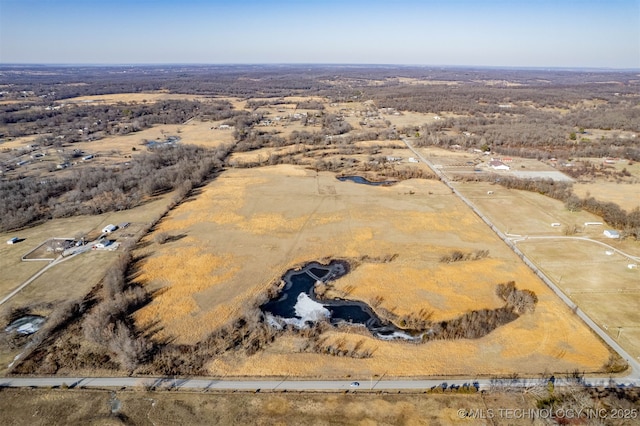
[{"x": 109, "y": 324}]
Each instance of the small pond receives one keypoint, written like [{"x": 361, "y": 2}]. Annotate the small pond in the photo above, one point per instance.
[
  {"x": 297, "y": 304},
  {"x": 364, "y": 181}
]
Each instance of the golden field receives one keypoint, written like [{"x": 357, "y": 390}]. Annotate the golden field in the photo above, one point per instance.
[
  {"x": 245, "y": 229},
  {"x": 592, "y": 275}
]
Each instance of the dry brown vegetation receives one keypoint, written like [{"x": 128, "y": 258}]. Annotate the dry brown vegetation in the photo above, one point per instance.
[
  {"x": 244, "y": 216},
  {"x": 437, "y": 407}
]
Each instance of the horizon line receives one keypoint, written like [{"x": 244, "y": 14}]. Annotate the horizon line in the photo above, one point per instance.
[{"x": 315, "y": 64}]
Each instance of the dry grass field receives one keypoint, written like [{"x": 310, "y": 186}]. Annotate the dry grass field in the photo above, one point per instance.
[
  {"x": 600, "y": 283},
  {"x": 114, "y": 98},
  {"x": 250, "y": 225},
  {"x": 526, "y": 213},
  {"x": 14, "y": 271},
  {"x": 44, "y": 407},
  {"x": 625, "y": 195},
  {"x": 194, "y": 132},
  {"x": 72, "y": 279}
]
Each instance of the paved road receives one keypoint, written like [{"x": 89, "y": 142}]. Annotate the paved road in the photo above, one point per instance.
[
  {"x": 365, "y": 383},
  {"x": 634, "y": 373}
]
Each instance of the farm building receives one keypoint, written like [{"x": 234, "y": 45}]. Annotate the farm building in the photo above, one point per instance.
[
  {"x": 610, "y": 233},
  {"x": 109, "y": 228},
  {"x": 103, "y": 244},
  {"x": 498, "y": 165}
]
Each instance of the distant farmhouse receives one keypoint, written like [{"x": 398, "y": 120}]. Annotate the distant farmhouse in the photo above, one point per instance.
[{"x": 498, "y": 165}]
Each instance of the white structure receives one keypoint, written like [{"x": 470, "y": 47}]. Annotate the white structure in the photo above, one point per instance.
[
  {"x": 592, "y": 223},
  {"x": 556, "y": 224},
  {"x": 610, "y": 233},
  {"x": 109, "y": 229},
  {"x": 13, "y": 240},
  {"x": 103, "y": 244},
  {"x": 498, "y": 165}
]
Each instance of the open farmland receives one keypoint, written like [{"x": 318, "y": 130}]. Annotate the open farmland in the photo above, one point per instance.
[
  {"x": 72, "y": 279},
  {"x": 249, "y": 226},
  {"x": 626, "y": 195},
  {"x": 594, "y": 276}
]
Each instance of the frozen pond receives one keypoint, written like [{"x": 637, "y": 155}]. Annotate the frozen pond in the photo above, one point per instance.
[{"x": 297, "y": 304}]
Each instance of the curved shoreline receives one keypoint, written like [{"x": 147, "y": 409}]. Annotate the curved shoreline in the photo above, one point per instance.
[
  {"x": 365, "y": 181},
  {"x": 287, "y": 306}
]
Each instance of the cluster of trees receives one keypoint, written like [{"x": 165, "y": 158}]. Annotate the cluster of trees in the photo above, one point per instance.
[
  {"x": 109, "y": 324},
  {"x": 520, "y": 301},
  {"x": 459, "y": 256},
  {"x": 339, "y": 347},
  {"x": 585, "y": 170},
  {"x": 80, "y": 122},
  {"x": 94, "y": 190}
]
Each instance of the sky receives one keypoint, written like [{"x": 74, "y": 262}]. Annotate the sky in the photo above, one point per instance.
[{"x": 499, "y": 33}]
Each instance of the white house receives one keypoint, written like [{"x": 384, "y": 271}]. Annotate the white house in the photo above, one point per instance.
[
  {"x": 610, "y": 233},
  {"x": 109, "y": 229}
]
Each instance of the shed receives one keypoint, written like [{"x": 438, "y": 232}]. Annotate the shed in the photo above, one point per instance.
[
  {"x": 498, "y": 165},
  {"x": 109, "y": 228},
  {"x": 610, "y": 233},
  {"x": 103, "y": 244}
]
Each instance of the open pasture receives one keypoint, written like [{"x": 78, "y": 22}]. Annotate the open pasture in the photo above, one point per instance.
[
  {"x": 596, "y": 277},
  {"x": 250, "y": 225}
]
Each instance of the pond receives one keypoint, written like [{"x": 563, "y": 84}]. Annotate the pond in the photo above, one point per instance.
[
  {"x": 298, "y": 305},
  {"x": 364, "y": 181}
]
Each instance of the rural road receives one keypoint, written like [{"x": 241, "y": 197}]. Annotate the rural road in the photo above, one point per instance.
[
  {"x": 365, "y": 383},
  {"x": 634, "y": 365}
]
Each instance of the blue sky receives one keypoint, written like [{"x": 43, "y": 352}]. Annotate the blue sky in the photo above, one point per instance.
[{"x": 529, "y": 33}]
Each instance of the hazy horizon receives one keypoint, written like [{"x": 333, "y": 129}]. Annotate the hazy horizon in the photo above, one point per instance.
[{"x": 565, "y": 34}]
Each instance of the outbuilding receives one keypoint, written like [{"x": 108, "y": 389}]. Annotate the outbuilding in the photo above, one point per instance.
[
  {"x": 109, "y": 229},
  {"x": 498, "y": 165},
  {"x": 610, "y": 233},
  {"x": 103, "y": 244}
]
